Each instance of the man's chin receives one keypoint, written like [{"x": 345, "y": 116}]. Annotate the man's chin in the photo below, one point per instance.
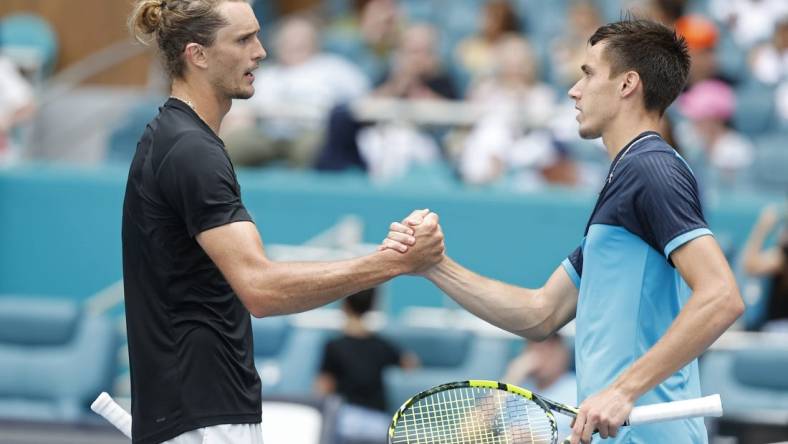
[
  {"x": 588, "y": 133},
  {"x": 244, "y": 94}
]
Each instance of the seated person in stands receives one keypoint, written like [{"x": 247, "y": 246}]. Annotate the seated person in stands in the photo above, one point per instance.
[
  {"x": 415, "y": 73},
  {"x": 16, "y": 105},
  {"x": 543, "y": 367},
  {"x": 771, "y": 263},
  {"x": 723, "y": 153},
  {"x": 283, "y": 120},
  {"x": 476, "y": 55},
  {"x": 352, "y": 367},
  {"x": 511, "y": 138}
]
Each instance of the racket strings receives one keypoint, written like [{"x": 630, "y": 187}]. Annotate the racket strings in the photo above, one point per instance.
[{"x": 474, "y": 415}]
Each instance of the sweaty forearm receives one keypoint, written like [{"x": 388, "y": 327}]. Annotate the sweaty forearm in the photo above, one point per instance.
[
  {"x": 292, "y": 287},
  {"x": 519, "y": 310}
]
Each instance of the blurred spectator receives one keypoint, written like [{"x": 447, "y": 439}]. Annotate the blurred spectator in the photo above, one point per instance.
[
  {"x": 771, "y": 263},
  {"x": 368, "y": 36},
  {"x": 544, "y": 367},
  {"x": 769, "y": 65},
  {"x": 666, "y": 12},
  {"x": 284, "y": 119},
  {"x": 569, "y": 48},
  {"x": 475, "y": 55},
  {"x": 750, "y": 21},
  {"x": 415, "y": 73},
  {"x": 515, "y": 100},
  {"x": 769, "y": 62},
  {"x": 710, "y": 105},
  {"x": 702, "y": 36},
  {"x": 16, "y": 106},
  {"x": 352, "y": 367}
]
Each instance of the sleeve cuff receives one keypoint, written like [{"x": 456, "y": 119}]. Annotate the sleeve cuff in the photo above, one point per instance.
[
  {"x": 570, "y": 270},
  {"x": 684, "y": 238}
]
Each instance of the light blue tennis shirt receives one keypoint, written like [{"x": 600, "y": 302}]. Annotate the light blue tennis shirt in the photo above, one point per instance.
[{"x": 630, "y": 292}]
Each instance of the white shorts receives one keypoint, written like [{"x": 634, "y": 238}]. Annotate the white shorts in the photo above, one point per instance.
[{"x": 222, "y": 434}]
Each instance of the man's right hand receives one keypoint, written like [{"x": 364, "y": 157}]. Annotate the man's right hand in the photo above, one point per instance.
[{"x": 419, "y": 238}]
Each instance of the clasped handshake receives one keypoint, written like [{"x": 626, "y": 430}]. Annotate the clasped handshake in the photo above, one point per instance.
[{"x": 418, "y": 240}]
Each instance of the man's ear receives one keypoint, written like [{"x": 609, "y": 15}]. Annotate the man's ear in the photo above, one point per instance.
[
  {"x": 196, "y": 55},
  {"x": 630, "y": 83}
]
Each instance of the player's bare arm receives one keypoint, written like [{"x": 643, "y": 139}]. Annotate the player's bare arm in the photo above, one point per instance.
[
  {"x": 531, "y": 313},
  {"x": 269, "y": 288}
]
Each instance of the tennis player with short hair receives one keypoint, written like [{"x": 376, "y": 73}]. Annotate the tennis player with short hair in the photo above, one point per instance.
[
  {"x": 194, "y": 266},
  {"x": 649, "y": 287}
]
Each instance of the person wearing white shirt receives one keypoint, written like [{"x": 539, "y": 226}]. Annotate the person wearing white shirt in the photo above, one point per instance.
[{"x": 16, "y": 105}]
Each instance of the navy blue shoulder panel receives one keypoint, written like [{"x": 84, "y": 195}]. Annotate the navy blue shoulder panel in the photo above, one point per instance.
[{"x": 653, "y": 194}]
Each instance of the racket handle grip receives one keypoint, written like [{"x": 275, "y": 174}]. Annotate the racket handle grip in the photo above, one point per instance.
[
  {"x": 690, "y": 408},
  {"x": 105, "y": 406}
]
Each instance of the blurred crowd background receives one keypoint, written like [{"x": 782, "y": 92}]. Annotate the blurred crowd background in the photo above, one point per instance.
[{"x": 364, "y": 110}]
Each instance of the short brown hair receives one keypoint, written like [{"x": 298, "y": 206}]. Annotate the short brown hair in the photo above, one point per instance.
[
  {"x": 652, "y": 50},
  {"x": 173, "y": 24}
]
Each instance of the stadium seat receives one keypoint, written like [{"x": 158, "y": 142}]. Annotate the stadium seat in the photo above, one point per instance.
[
  {"x": 446, "y": 355},
  {"x": 123, "y": 138},
  {"x": 754, "y": 109},
  {"x": 754, "y": 377},
  {"x": 287, "y": 357},
  {"x": 31, "y": 42},
  {"x": 55, "y": 359},
  {"x": 762, "y": 367},
  {"x": 731, "y": 60},
  {"x": 418, "y": 10},
  {"x": 771, "y": 158}
]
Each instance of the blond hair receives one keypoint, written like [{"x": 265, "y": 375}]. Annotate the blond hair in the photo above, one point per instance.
[{"x": 173, "y": 24}]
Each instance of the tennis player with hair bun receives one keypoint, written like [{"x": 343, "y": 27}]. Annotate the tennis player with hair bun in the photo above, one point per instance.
[
  {"x": 648, "y": 286},
  {"x": 194, "y": 266}
]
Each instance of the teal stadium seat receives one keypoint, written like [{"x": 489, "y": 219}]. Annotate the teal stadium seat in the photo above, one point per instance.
[
  {"x": 771, "y": 159},
  {"x": 54, "y": 359},
  {"x": 755, "y": 113},
  {"x": 754, "y": 377},
  {"x": 124, "y": 137},
  {"x": 732, "y": 60},
  {"x": 29, "y": 39},
  {"x": 446, "y": 355},
  {"x": 287, "y": 357}
]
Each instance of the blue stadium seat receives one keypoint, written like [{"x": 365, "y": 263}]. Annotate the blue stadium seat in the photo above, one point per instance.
[
  {"x": 446, "y": 355},
  {"x": 419, "y": 10},
  {"x": 123, "y": 139},
  {"x": 55, "y": 359},
  {"x": 762, "y": 367},
  {"x": 754, "y": 377},
  {"x": 731, "y": 60},
  {"x": 771, "y": 158},
  {"x": 755, "y": 112},
  {"x": 26, "y": 36},
  {"x": 287, "y": 357}
]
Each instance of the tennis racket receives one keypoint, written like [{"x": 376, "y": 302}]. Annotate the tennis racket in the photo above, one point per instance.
[
  {"x": 490, "y": 412},
  {"x": 105, "y": 406}
]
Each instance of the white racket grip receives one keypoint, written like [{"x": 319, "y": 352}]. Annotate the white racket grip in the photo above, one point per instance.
[
  {"x": 105, "y": 406},
  {"x": 690, "y": 408}
]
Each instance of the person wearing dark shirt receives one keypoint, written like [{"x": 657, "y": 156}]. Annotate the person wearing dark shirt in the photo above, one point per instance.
[
  {"x": 194, "y": 266},
  {"x": 649, "y": 287},
  {"x": 771, "y": 263},
  {"x": 352, "y": 367}
]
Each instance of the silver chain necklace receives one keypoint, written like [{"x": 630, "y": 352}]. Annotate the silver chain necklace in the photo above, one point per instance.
[{"x": 615, "y": 165}]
